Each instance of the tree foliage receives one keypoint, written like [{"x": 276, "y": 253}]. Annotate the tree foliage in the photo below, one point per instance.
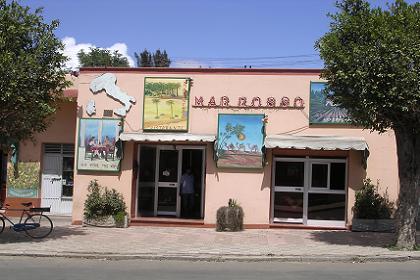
[
  {"x": 97, "y": 57},
  {"x": 372, "y": 64},
  {"x": 31, "y": 71},
  {"x": 156, "y": 59}
]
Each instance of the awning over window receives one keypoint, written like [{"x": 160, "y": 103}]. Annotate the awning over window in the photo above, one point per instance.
[
  {"x": 166, "y": 137},
  {"x": 316, "y": 142}
]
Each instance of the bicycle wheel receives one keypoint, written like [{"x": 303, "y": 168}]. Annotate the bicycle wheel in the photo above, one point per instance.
[
  {"x": 38, "y": 226},
  {"x": 2, "y": 225}
]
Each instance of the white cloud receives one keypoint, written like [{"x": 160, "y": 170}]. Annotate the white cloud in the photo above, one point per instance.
[{"x": 72, "y": 48}]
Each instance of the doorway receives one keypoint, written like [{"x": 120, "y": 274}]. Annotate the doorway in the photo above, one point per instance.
[
  {"x": 57, "y": 178},
  {"x": 309, "y": 191},
  {"x": 160, "y": 173}
]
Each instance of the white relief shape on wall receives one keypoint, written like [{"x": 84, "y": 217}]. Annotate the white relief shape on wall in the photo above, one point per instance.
[
  {"x": 107, "y": 82},
  {"x": 91, "y": 108}
]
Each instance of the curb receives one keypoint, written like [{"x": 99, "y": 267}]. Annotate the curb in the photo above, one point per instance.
[{"x": 219, "y": 258}]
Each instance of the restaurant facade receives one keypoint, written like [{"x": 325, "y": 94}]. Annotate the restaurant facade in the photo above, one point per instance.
[{"x": 269, "y": 138}]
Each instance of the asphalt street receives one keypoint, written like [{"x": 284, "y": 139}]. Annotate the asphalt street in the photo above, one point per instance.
[{"x": 12, "y": 268}]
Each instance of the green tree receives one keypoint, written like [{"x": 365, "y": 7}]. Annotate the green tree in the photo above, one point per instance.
[
  {"x": 156, "y": 59},
  {"x": 31, "y": 71},
  {"x": 156, "y": 101},
  {"x": 97, "y": 57},
  {"x": 161, "y": 59},
  {"x": 372, "y": 64},
  {"x": 144, "y": 59},
  {"x": 171, "y": 103}
]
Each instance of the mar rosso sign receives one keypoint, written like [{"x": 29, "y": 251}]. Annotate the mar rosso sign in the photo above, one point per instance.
[{"x": 243, "y": 102}]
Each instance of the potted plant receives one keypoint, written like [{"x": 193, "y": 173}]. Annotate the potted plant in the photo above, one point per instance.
[
  {"x": 104, "y": 207},
  {"x": 230, "y": 217},
  {"x": 121, "y": 219},
  {"x": 372, "y": 211}
]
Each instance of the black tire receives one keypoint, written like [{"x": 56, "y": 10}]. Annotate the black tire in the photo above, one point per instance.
[
  {"x": 43, "y": 230},
  {"x": 2, "y": 225}
]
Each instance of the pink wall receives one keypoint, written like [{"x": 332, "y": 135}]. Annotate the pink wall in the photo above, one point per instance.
[
  {"x": 62, "y": 130},
  {"x": 250, "y": 188}
]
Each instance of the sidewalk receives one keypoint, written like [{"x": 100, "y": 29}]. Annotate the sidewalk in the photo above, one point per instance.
[{"x": 143, "y": 242}]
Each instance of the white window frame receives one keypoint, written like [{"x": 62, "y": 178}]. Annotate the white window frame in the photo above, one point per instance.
[{"x": 307, "y": 189}]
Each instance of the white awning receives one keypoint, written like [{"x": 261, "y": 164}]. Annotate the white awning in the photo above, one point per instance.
[
  {"x": 166, "y": 137},
  {"x": 316, "y": 142}
]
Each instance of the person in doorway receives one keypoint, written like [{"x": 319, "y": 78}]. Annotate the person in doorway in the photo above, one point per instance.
[{"x": 187, "y": 192}]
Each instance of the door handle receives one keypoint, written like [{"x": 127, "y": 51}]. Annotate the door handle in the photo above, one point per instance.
[{"x": 298, "y": 189}]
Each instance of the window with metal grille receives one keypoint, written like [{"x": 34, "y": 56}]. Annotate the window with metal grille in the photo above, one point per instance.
[{"x": 66, "y": 149}]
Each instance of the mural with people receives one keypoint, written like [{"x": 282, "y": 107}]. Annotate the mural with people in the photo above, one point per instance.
[{"x": 97, "y": 147}]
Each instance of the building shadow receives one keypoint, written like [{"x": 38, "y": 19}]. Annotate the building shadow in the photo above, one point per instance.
[
  {"x": 365, "y": 239},
  {"x": 9, "y": 236}
]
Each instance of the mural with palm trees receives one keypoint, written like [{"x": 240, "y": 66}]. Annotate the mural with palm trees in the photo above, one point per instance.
[
  {"x": 240, "y": 140},
  {"x": 166, "y": 102},
  {"x": 322, "y": 110}
]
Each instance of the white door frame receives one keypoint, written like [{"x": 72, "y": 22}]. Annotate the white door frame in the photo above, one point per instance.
[
  {"x": 156, "y": 184},
  {"x": 307, "y": 189}
]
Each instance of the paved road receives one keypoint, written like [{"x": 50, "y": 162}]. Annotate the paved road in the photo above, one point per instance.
[{"x": 12, "y": 268}]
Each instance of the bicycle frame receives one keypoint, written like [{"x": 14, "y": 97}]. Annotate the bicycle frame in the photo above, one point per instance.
[{"x": 25, "y": 213}]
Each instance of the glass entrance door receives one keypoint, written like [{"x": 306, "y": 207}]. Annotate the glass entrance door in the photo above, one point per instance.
[
  {"x": 167, "y": 191},
  {"x": 289, "y": 186},
  {"x": 159, "y": 176},
  {"x": 310, "y": 191}
]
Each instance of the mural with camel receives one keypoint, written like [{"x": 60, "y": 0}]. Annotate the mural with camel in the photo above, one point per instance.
[{"x": 240, "y": 140}]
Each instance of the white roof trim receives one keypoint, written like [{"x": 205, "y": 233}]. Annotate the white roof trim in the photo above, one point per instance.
[
  {"x": 166, "y": 137},
  {"x": 316, "y": 142}
]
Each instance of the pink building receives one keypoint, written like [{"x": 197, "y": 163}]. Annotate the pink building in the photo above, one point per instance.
[{"x": 268, "y": 138}]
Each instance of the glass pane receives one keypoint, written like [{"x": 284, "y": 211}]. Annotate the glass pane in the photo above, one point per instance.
[
  {"x": 147, "y": 164},
  {"x": 146, "y": 201},
  {"x": 67, "y": 191},
  {"x": 288, "y": 205},
  {"x": 338, "y": 176},
  {"x": 167, "y": 199},
  {"x": 168, "y": 166},
  {"x": 289, "y": 174},
  {"x": 319, "y": 175},
  {"x": 68, "y": 178},
  {"x": 68, "y": 163},
  {"x": 326, "y": 206}
]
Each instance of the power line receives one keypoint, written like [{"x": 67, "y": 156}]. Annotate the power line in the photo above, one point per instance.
[{"x": 244, "y": 58}]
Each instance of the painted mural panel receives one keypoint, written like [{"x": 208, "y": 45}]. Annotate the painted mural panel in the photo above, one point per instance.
[
  {"x": 166, "y": 102},
  {"x": 26, "y": 183},
  {"x": 98, "y": 149},
  {"x": 321, "y": 109},
  {"x": 240, "y": 139}
]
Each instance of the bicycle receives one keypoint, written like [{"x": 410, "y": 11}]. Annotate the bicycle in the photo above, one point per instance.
[{"x": 36, "y": 225}]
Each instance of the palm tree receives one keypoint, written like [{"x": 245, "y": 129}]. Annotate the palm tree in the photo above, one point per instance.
[
  {"x": 171, "y": 103},
  {"x": 156, "y": 102}
]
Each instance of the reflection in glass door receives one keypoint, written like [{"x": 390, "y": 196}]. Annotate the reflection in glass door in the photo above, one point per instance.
[
  {"x": 168, "y": 182},
  {"x": 289, "y": 182},
  {"x": 159, "y": 174},
  {"x": 146, "y": 184},
  {"x": 310, "y": 191}
]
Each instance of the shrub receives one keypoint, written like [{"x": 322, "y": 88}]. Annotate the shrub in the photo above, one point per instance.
[
  {"x": 102, "y": 202},
  {"x": 230, "y": 217},
  {"x": 370, "y": 204},
  {"x": 120, "y": 219}
]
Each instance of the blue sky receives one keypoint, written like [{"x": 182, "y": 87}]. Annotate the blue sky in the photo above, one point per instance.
[{"x": 212, "y": 33}]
